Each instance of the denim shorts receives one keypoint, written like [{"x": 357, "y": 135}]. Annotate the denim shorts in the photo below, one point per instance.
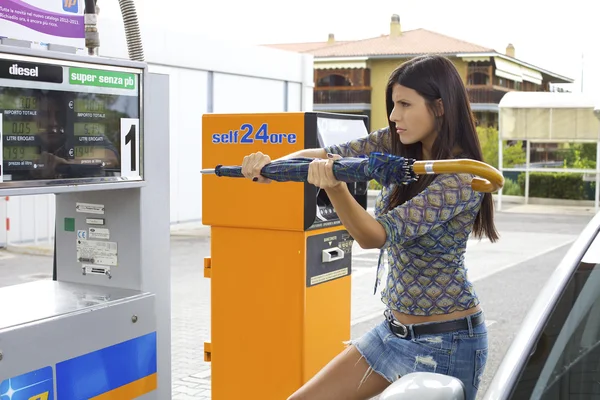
[{"x": 461, "y": 354}]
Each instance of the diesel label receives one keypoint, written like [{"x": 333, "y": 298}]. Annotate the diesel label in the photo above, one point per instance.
[
  {"x": 16, "y": 70},
  {"x": 12, "y": 69}
]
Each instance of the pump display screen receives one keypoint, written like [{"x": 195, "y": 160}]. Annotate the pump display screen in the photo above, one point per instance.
[
  {"x": 77, "y": 123},
  {"x": 333, "y": 131}
]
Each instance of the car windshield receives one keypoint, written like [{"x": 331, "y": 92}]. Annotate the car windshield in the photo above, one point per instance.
[{"x": 566, "y": 360}]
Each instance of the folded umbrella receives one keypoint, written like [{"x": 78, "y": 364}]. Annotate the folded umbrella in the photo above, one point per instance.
[{"x": 384, "y": 168}]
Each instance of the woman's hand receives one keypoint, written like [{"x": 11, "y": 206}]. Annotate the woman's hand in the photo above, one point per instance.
[
  {"x": 320, "y": 172},
  {"x": 253, "y": 164}
]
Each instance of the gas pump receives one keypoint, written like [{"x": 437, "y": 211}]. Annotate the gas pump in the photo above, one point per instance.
[
  {"x": 94, "y": 132},
  {"x": 280, "y": 263}
]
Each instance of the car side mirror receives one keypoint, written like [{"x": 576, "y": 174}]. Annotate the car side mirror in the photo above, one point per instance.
[{"x": 425, "y": 386}]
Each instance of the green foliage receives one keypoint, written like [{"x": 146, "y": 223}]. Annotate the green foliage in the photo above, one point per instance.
[
  {"x": 557, "y": 185},
  {"x": 511, "y": 188},
  {"x": 553, "y": 185},
  {"x": 581, "y": 156},
  {"x": 512, "y": 155}
]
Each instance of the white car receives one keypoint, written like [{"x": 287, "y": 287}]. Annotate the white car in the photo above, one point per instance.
[{"x": 556, "y": 353}]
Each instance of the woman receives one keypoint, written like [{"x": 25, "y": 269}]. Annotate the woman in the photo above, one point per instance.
[{"x": 433, "y": 320}]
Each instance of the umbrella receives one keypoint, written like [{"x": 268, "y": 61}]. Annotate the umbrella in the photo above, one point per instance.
[{"x": 384, "y": 168}]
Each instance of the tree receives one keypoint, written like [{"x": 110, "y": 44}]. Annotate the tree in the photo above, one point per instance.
[
  {"x": 512, "y": 155},
  {"x": 581, "y": 155}
]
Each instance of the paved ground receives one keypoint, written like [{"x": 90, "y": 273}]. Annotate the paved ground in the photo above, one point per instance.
[{"x": 508, "y": 276}]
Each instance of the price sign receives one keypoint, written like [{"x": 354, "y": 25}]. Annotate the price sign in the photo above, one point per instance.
[{"x": 130, "y": 147}]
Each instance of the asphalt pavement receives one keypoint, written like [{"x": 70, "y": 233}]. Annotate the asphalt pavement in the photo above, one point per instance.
[{"x": 508, "y": 275}]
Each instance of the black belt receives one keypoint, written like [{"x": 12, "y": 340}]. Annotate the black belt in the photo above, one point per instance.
[{"x": 461, "y": 324}]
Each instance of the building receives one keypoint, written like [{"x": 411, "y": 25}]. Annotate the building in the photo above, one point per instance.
[{"x": 350, "y": 76}]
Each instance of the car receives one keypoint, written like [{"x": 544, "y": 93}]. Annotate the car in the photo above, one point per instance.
[{"x": 556, "y": 353}]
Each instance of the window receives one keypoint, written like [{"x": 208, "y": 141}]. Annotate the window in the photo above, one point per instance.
[
  {"x": 478, "y": 78},
  {"x": 333, "y": 80},
  {"x": 566, "y": 360}
]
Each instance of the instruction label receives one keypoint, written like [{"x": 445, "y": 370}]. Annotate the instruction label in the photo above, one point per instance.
[
  {"x": 89, "y": 208},
  {"x": 329, "y": 276},
  {"x": 95, "y": 252},
  {"x": 99, "y": 233}
]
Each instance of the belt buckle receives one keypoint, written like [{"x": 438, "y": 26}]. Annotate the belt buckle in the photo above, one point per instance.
[
  {"x": 404, "y": 333},
  {"x": 390, "y": 318}
]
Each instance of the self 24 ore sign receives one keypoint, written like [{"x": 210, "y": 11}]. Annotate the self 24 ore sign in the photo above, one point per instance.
[{"x": 247, "y": 134}]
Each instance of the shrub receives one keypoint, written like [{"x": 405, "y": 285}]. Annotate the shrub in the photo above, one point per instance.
[
  {"x": 554, "y": 185},
  {"x": 511, "y": 188}
]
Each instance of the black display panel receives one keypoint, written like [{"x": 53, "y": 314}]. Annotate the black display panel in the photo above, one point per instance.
[{"x": 72, "y": 132}]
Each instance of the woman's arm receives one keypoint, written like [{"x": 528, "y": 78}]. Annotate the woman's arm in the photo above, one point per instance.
[{"x": 446, "y": 197}]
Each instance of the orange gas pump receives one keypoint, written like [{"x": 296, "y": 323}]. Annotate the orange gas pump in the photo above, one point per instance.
[{"x": 280, "y": 263}]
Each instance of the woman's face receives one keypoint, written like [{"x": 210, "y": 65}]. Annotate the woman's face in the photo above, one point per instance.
[{"x": 414, "y": 121}]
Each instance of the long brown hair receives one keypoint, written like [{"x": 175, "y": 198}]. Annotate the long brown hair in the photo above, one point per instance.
[{"x": 435, "y": 77}]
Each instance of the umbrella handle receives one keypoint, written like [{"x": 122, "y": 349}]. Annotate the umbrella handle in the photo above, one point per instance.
[{"x": 489, "y": 178}]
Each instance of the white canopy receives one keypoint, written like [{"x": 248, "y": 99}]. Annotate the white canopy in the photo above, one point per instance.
[
  {"x": 546, "y": 100},
  {"x": 548, "y": 116}
]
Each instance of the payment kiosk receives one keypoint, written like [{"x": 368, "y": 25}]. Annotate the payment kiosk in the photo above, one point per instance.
[
  {"x": 280, "y": 263},
  {"x": 95, "y": 133}
]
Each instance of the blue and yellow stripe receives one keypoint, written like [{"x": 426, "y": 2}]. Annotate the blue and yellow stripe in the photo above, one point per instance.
[{"x": 123, "y": 371}]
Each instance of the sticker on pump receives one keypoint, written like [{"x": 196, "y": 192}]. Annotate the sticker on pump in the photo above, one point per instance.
[
  {"x": 99, "y": 233},
  {"x": 95, "y": 252},
  {"x": 89, "y": 208}
]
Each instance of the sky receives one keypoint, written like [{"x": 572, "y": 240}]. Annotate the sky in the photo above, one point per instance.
[{"x": 559, "y": 36}]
